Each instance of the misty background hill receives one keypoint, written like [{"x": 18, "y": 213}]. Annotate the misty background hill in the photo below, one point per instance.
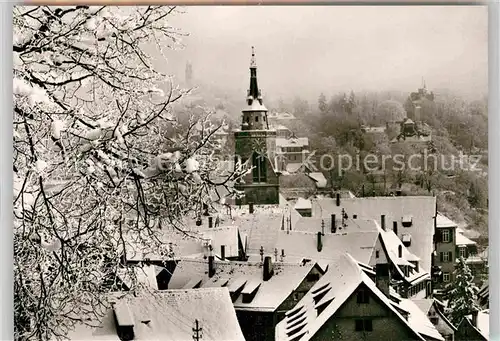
[{"x": 305, "y": 50}]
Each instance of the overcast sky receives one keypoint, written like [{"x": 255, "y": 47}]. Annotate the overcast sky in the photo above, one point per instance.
[{"x": 311, "y": 49}]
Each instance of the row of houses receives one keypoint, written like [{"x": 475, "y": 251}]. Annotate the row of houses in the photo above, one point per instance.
[
  {"x": 269, "y": 269},
  {"x": 344, "y": 268}
]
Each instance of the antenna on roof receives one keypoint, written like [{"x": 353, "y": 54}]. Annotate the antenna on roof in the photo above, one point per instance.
[{"x": 197, "y": 331}]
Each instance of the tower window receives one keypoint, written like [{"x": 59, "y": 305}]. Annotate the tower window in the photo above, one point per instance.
[
  {"x": 259, "y": 167},
  {"x": 256, "y": 118}
]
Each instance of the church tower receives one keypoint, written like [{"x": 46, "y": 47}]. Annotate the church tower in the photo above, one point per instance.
[{"x": 255, "y": 147}]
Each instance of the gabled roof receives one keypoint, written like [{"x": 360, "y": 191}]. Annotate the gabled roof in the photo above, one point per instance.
[
  {"x": 341, "y": 280},
  {"x": 442, "y": 221},
  {"x": 421, "y": 208},
  {"x": 269, "y": 295},
  {"x": 461, "y": 239},
  {"x": 483, "y": 323},
  {"x": 170, "y": 315},
  {"x": 419, "y": 321},
  {"x": 425, "y": 305}
]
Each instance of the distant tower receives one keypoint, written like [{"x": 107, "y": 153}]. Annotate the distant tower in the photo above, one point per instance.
[
  {"x": 255, "y": 145},
  {"x": 189, "y": 74}
]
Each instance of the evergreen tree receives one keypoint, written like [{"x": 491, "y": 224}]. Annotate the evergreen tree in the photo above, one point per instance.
[
  {"x": 322, "y": 105},
  {"x": 461, "y": 293}
]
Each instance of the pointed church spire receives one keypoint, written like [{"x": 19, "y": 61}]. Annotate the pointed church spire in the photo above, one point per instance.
[{"x": 253, "y": 92}]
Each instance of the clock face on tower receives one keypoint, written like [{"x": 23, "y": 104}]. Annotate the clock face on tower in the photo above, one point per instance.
[{"x": 259, "y": 145}]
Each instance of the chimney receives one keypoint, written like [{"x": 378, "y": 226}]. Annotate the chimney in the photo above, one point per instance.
[
  {"x": 383, "y": 278},
  {"x": 334, "y": 223},
  {"x": 474, "y": 317},
  {"x": 382, "y": 221},
  {"x": 210, "y": 222},
  {"x": 320, "y": 242},
  {"x": 211, "y": 266},
  {"x": 268, "y": 268},
  {"x": 250, "y": 207},
  {"x": 338, "y": 199},
  {"x": 124, "y": 321},
  {"x": 223, "y": 252}
]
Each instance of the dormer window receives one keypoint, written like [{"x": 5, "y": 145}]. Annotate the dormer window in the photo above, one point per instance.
[
  {"x": 406, "y": 239},
  {"x": 407, "y": 221}
]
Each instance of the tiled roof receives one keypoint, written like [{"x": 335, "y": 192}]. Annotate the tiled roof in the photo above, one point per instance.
[
  {"x": 170, "y": 315},
  {"x": 270, "y": 294},
  {"x": 343, "y": 277},
  {"x": 420, "y": 208}
]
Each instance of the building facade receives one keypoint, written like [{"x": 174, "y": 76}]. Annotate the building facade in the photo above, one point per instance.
[{"x": 255, "y": 148}]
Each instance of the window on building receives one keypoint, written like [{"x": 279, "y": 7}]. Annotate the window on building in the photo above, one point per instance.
[
  {"x": 363, "y": 296},
  {"x": 461, "y": 252},
  {"x": 364, "y": 325},
  {"x": 445, "y": 257},
  {"x": 256, "y": 118},
  {"x": 377, "y": 254},
  {"x": 259, "y": 170},
  {"x": 446, "y": 277},
  {"x": 354, "y": 216},
  {"x": 400, "y": 251},
  {"x": 445, "y": 234}
]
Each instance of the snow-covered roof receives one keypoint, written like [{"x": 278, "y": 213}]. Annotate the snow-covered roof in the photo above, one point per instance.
[
  {"x": 483, "y": 323},
  {"x": 170, "y": 315},
  {"x": 320, "y": 179},
  {"x": 463, "y": 240},
  {"x": 303, "y": 244},
  {"x": 336, "y": 286},
  {"x": 294, "y": 167},
  {"x": 421, "y": 208},
  {"x": 255, "y": 106},
  {"x": 419, "y": 321},
  {"x": 194, "y": 240},
  {"x": 442, "y": 221},
  {"x": 270, "y": 294},
  {"x": 303, "y": 204},
  {"x": 313, "y": 224},
  {"x": 424, "y": 304},
  {"x": 292, "y": 142},
  {"x": 145, "y": 275}
]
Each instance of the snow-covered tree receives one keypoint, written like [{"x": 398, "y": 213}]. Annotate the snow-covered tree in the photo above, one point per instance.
[
  {"x": 461, "y": 293},
  {"x": 99, "y": 160}
]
